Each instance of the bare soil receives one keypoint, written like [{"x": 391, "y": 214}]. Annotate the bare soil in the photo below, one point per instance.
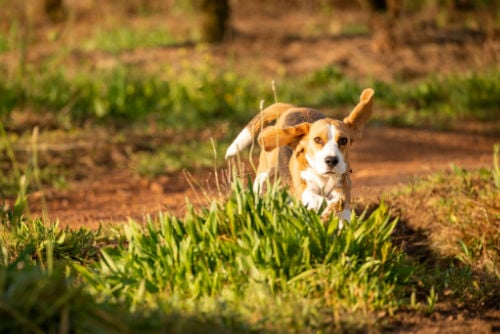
[{"x": 384, "y": 159}]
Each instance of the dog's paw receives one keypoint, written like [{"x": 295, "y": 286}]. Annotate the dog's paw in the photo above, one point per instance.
[
  {"x": 337, "y": 209},
  {"x": 311, "y": 200},
  {"x": 344, "y": 217}
]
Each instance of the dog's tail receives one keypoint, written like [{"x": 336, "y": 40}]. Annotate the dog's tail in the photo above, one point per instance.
[{"x": 261, "y": 120}]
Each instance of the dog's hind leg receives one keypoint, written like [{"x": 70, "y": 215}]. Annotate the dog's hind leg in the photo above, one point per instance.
[
  {"x": 259, "y": 182},
  {"x": 262, "y": 179}
]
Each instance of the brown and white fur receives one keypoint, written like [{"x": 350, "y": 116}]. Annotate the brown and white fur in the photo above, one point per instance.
[{"x": 308, "y": 151}]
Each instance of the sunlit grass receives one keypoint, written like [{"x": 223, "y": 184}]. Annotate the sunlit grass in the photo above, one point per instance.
[
  {"x": 238, "y": 259},
  {"x": 10, "y": 39}
]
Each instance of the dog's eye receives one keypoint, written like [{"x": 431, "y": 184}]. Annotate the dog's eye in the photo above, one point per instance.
[
  {"x": 342, "y": 141},
  {"x": 318, "y": 140}
]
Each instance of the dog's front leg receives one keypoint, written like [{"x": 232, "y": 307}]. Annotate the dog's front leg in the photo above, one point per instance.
[
  {"x": 336, "y": 206},
  {"x": 312, "y": 200}
]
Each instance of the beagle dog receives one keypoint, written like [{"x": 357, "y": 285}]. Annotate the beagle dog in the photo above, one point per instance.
[{"x": 308, "y": 152}]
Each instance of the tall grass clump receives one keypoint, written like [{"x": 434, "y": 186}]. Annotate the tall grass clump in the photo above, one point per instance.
[
  {"x": 51, "y": 299},
  {"x": 33, "y": 301},
  {"x": 38, "y": 291},
  {"x": 38, "y": 242},
  {"x": 252, "y": 264},
  {"x": 265, "y": 258}
]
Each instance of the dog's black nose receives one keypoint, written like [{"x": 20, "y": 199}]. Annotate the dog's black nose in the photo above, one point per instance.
[{"x": 331, "y": 161}]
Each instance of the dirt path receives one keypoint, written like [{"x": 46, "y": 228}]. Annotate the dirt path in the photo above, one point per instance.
[{"x": 384, "y": 159}]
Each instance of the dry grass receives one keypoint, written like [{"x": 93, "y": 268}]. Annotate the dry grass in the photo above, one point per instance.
[
  {"x": 451, "y": 222},
  {"x": 461, "y": 211}
]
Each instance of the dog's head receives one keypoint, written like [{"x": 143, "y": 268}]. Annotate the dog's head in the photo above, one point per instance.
[{"x": 324, "y": 143}]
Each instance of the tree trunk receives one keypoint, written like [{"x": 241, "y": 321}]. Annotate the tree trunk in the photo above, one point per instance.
[
  {"x": 214, "y": 20},
  {"x": 55, "y": 10}
]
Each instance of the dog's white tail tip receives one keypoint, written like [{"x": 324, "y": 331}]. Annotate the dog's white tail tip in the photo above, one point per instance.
[
  {"x": 232, "y": 150},
  {"x": 243, "y": 139}
]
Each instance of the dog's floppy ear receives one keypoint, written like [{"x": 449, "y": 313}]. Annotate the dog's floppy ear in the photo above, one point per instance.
[
  {"x": 273, "y": 137},
  {"x": 360, "y": 114}
]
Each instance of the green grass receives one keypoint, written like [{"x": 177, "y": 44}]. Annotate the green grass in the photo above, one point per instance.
[
  {"x": 250, "y": 260},
  {"x": 474, "y": 203},
  {"x": 16, "y": 163},
  {"x": 123, "y": 38},
  {"x": 243, "y": 247},
  {"x": 434, "y": 102},
  {"x": 190, "y": 99},
  {"x": 253, "y": 264},
  {"x": 9, "y": 40},
  {"x": 200, "y": 93}
]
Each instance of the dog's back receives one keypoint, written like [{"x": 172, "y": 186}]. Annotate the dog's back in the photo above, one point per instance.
[{"x": 275, "y": 163}]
